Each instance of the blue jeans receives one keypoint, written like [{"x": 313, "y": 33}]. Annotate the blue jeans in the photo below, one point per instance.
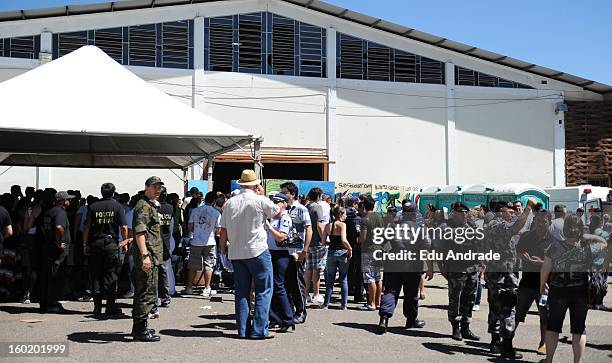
[
  {"x": 478, "y": 293},
  {"x": 259, "y": 270},
  {"x": 281, "y": 311},
  {"x": 336, "y": 260}
]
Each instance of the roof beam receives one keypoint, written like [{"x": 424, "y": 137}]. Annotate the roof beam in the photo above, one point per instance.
[
  {"x": 112, "y": 6},
  {"x": 343, "y": 13},
  {"x": 440, "y": 41},
  {"x": 471, "y": 50},
  {"x": 556, "y": 74},
  {"x": 583, "y": 84},
  {"x": 500, "y": 58},
  {"x": 528, "y": 67},
  {"x": 407, "y": 32},
  {"x": 23, "y": 17},
  {"x": 307, "y": 5},
  {"x": 152, "y": 3},
  {"x": 375, "y": 23}
]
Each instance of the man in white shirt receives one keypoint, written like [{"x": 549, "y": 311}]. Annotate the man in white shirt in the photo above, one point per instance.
[
  {"x": 203, "y": 226},
  {"x": 242, "y": 224}
]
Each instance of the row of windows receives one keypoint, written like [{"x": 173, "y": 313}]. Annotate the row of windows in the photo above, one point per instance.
[
  {"x": 20, "y": 47},
  {"x": 468, "y": 77},
  {"x": 168, "y": 45},
  {"x": 362, "y": 59},
  {"x": 264, "y": 43}
]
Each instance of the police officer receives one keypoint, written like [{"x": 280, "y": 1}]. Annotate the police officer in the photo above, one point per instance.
[
  {"x": 148, "y": 256},
  {"x": 501, "y": 277},
  {"x": 462, "y": 275},
  {"x": 166, "y": 212},
  {"x": 105, "y": 219},
  {"x": 56, "y": 237},
  {"x": 406, "y": 274}
]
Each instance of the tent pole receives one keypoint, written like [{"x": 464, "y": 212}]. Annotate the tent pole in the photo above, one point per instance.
[
  {"x": 184, "y": 181},
  {"x": 257, "y": 166},
  {"x": 211, "y": 165}
]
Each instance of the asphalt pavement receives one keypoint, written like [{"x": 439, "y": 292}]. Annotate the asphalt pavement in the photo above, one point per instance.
[{"x": 195, "y": 329}]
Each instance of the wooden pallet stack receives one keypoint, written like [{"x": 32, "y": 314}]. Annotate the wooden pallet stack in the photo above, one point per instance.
[{"x": 588, "y": 143}]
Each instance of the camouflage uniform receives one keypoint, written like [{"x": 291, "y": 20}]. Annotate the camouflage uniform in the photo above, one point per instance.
[
  {"x": 502, "y": 281},
  {"x": 462, "y": 277},
  {"x": 146, "y": 221}
]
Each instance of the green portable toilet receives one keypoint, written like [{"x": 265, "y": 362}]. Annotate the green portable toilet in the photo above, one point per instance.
[
  {"x": 428, "y": 196},
  {"x": 521, "y": 191},
  {"x": 477, "y": 194},
  {"x": 448, "y": 196}
]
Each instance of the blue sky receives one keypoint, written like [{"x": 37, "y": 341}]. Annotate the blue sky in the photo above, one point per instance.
[{"x": 567, "y": 35}]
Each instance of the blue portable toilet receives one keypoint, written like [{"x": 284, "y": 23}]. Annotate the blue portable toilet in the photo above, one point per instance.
[
  {"x": 522, "y": 192},
  {"x": 428, "y": 196},
  {"x": 477, "y": 194}
]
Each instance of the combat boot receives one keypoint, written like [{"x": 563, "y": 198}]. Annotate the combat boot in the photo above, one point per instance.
[
  {"x": 495, "y": 346},
  {"x": 508, "y": 351},
  {"x": 456, "y": 333},
  {"x": 382, "y": 325},
  {"x": 97, "y": 307},
  {"x": 466, "y": 333},
  {"x": 112, "y": 308},
  {"x": 142, "y": 334}
]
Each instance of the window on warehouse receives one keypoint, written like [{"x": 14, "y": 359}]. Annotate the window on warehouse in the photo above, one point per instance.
[
  {"x": 26, "y": 47},
  {"x": 469, "y": 77}
]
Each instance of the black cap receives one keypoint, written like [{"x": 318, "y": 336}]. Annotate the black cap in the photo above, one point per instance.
[
  {"x": 62, "y": 196},
  {"x": 461, "y": 207},
  {"x": 154, "y": 180},
  {"x": 409, "y": 208},
  {"x": 559, "y": 208},
  {"x": 280, "y": 197}
]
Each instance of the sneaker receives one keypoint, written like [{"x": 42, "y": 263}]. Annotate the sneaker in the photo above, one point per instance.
[
  {"x": 367, "y": 308},
  {"x": 187, "y": 291},
  {"x": 318, "y": 299},
  {"x": 206, "y": 292},
  {"x": 343, "y": 307},
  {"x": 25, "y": 299},
  {"x": 476, "y": 308},
  {"x": 154, "y": 315},
  {"x": 213, "y": 292},
  {"x": 309, "y": 299}
]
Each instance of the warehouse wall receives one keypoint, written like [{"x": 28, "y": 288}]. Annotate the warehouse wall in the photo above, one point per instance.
[{"x": 504, "y": 142}]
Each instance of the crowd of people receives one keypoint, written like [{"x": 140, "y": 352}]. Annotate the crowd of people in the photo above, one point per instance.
[{"x": 276, "y": 249}]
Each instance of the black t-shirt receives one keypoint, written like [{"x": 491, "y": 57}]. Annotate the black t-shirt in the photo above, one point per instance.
[
  {"x": 104, "y": 217},
  {"x": 165, "y": 216},
  {"x": 534, "y": 246},
  {"x": 570, "y": 264},
  {"x": 56, "y": 216},
  {"x": 5, "y": 221}
]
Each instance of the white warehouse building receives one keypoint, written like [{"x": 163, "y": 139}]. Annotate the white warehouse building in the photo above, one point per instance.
[{"x": 335, "y": 95}]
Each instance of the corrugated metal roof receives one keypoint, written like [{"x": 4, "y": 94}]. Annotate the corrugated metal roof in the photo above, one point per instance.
[{"x": 339, "y": 12}]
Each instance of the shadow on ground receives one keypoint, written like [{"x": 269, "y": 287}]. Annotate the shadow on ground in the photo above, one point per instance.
[
  {"x": 566, "y": 340},
  {"x": 192, "y": 333},
  {"x": 98, "y": 337}
]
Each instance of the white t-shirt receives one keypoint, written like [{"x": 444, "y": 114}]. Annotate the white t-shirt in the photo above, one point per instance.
[
  {"x": 205, "y": 219},
  {"x": 243, "y": 218}
]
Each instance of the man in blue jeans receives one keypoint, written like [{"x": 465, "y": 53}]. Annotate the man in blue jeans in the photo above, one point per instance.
[{"x": 243, "y": 239}]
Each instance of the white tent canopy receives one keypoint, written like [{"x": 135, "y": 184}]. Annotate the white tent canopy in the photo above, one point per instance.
[{"x": 86, "y": 110}]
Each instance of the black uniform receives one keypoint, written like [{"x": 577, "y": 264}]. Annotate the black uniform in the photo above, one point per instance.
[
  {"x": 104, "y": 219},
  {"x": 165, "y": 215},
  {"x": 53, "y": 278},
  {"x": 5, "y": 221}
]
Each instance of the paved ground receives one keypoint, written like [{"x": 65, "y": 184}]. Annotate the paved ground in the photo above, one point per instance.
[{"x": 195, "y": 329}]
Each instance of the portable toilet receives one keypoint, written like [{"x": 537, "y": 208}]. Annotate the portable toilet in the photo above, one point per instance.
[
  {"x": 428, "y": 196},
  {"x": 477, "y": 194},
  {"x": 448, "y": 196},
  {"x": 522, "y": 192}
]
